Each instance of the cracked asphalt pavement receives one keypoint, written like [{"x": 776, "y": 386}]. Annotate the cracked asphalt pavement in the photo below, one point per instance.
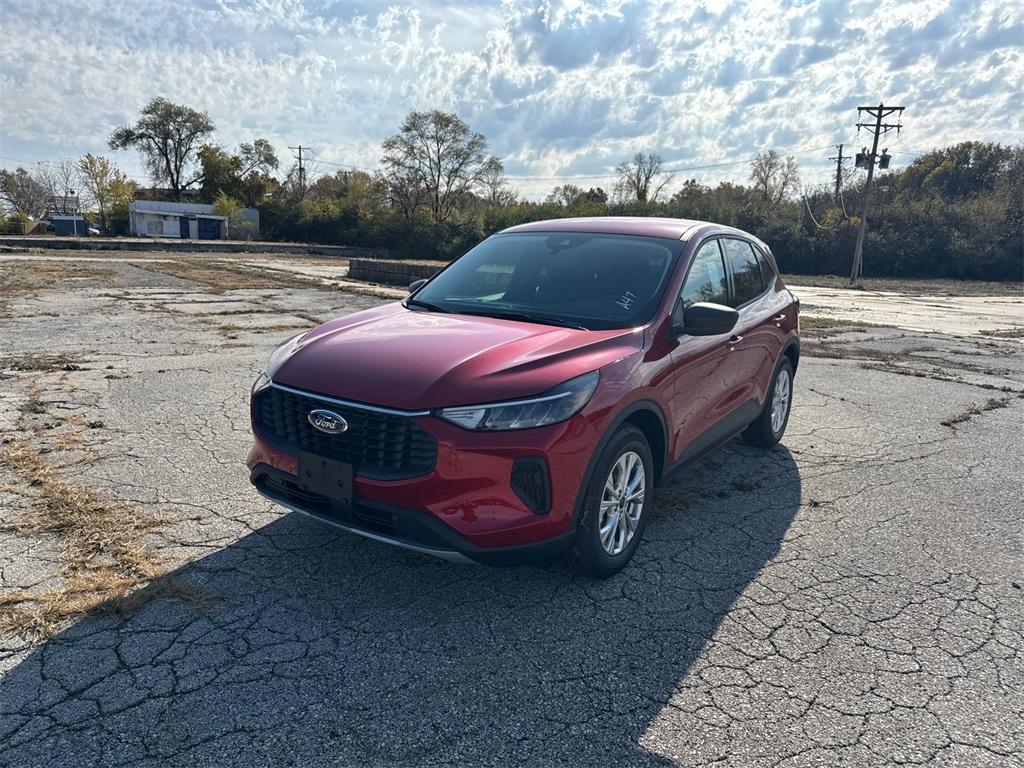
[{"x": 849, "y": 598}]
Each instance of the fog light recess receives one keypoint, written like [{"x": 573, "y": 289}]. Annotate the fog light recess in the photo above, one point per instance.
[{"x": 531, "y": 483}]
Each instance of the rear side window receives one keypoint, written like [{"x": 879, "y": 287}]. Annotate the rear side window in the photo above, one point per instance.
[
  {"x": 707, "y": 280},
  {"x": 746, "y": 272}
]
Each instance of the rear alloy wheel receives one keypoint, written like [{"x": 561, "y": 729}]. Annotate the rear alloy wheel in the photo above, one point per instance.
[
  {"x": 768, "y": 428},
  {"x": 613, "y": 514}
]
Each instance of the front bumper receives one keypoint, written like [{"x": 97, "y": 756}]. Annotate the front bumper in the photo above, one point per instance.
[
  {"x": 465, "y": 505},
  {"x": 406, "y": 528}
]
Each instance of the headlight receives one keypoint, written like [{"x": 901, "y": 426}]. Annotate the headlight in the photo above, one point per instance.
[
  {"x": 277, "y": 358},
  {"x": 557, "y": 404},
  {"x": 261, "y": 383}
]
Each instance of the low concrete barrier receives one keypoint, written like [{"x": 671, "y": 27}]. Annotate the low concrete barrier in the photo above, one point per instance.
[
  {"x": 391, "y": 272},
  {"x": 171, "y": 245}
]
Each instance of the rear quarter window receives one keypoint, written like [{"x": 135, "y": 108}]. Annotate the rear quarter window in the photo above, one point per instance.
[
  {"x": 746, "y": 270},
  {"x": 768, "y": 273}
]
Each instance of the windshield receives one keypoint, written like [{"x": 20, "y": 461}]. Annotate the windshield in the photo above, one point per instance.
[{"x": 596, "y": 282}]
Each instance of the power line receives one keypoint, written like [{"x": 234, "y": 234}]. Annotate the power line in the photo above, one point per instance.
[
  {"x": 131, "y": 176},
  {"x": 565, "y": 177},
  {"x": 811, "y": 213}
]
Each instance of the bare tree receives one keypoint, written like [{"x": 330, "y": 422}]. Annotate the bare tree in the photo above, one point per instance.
[
  {"x": 61, "y": 180},
  {"x": 168, "y": 136},
  {"x": 434, "y": 160},
  {"x": 774, "y": 177},
  {"x": 642, "y": 179},
  {"x": 496, "y": 189},
  {"x": 564, "y": 195},
  {"x": 22, "y": 193}
]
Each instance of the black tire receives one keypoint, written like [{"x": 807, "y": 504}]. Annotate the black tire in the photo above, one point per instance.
[
  {"x": 587, "y": 555},
  {"x": 760, "y": 432}
]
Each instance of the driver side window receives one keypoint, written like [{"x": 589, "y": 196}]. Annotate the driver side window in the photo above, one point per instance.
[{"x": 707, "y": 279}]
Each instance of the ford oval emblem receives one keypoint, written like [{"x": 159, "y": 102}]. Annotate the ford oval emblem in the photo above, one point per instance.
[{"x": 327, "y": 421}]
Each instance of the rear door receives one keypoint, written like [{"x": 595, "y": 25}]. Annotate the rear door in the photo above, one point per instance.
[{"x": 756, "y": 340}]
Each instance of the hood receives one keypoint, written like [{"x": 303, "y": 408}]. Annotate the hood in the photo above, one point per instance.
[{"x": 399, "y": 358}]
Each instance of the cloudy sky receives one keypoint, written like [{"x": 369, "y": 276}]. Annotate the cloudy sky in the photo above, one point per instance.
[{"x": 563, "y": 90}]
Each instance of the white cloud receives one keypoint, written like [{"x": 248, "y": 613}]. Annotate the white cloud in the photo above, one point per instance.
[{"x": 559, "y": 88}]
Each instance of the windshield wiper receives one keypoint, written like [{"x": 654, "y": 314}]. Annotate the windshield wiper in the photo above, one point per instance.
[
  {"x": 426, "y": 305},
  {"x": 525, "y": 317}
]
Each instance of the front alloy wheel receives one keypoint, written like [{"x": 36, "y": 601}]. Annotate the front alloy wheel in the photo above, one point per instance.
[
  {"x": 622, "y": 503},
  {"x": 612, "y": 517}
]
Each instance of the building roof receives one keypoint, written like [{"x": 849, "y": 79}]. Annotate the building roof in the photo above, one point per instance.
[
  {"x": 649, "y": 226},
  {"x": 164, "y": 212},
  {"x": 169, "y": 207}
]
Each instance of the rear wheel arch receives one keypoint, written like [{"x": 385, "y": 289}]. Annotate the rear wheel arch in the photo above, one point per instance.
[{"x": 792, "y": 351}]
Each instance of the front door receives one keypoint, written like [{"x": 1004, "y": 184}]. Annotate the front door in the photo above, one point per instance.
[{"x": 703, "y": 366}]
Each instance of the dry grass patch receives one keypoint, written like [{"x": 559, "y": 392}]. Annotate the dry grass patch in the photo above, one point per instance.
[
  {"x": 936, "y": 376},
  {"x": 815, "y": 323},
  {"x": 994, "y": 403},
  {"x": 23, "y": 278},
  {"x": 231, "y": 330},
  {"x": 107, "y": 563},
  {"x": 827, "y": 327},
  {"x": 220, "y": 276},
  {"x": 40, "y": 363},
  {"x": 1005, "y": 333},
  {"x": 914, "y": 286}
]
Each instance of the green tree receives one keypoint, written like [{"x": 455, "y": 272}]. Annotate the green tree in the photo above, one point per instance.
[
  {"x": 230, "y": 208},
  {"x": 106, "y": 188},
  {"x": 168, "y": 136},
  {"x": 23, "y": 193},
  {"x": 245, "y": 174}
]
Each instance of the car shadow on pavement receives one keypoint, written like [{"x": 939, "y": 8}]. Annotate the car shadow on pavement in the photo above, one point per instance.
[{"x": 330, "y": 649}]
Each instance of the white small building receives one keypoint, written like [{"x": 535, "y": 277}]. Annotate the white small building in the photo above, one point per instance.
[{"x": 189, "y": 221}]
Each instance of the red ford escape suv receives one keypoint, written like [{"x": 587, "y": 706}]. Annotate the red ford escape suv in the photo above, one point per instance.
[{"x": 525, "y": 400}]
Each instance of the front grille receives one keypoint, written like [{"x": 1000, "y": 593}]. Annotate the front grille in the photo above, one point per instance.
[{"x": 384, "y": 446}]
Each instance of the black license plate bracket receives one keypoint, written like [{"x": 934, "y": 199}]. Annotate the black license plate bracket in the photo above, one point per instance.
[{"x": 326, "y": 477}]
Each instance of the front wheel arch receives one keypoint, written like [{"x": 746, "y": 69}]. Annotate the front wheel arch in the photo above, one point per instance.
[{"x": 643, "y": 414}]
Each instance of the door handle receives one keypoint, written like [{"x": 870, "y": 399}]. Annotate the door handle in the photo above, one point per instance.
[
  {"x": 778, "y": 318},
  {"x": 734, "y": 340}
]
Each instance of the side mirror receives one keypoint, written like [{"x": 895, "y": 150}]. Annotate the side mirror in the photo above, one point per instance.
[
  {"x": 416, "y": 284},
  {"x": 705, "y": 319}
]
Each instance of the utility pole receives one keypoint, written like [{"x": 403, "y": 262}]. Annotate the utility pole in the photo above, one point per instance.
[
  {"x": 877, "y": 128},
  {"x": 302, "y": 169},
  {"x": 839, "y": 171}
]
